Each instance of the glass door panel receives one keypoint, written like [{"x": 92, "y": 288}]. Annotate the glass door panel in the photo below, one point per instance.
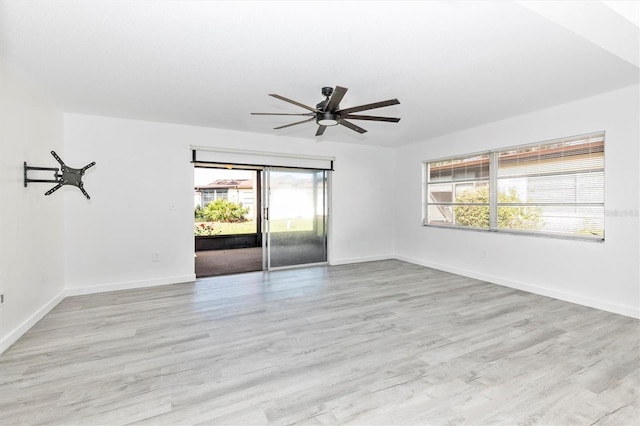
[{"x": 296, "y": 217}]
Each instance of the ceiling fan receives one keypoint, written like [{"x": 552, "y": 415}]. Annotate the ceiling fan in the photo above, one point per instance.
[{"x": 328, "y": 113}]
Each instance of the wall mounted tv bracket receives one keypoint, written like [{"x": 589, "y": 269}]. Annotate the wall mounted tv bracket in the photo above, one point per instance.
[{"x": 69, "y": 176}]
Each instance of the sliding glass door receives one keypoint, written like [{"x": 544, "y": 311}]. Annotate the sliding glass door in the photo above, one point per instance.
[{"x": 295, "y": 217}]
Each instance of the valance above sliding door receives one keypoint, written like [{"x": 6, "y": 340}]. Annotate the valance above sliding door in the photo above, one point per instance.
[{"x": 222, "y": 156}]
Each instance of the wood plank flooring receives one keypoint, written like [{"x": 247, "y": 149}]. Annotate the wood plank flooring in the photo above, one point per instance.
[{"x": 378, "y": 343}]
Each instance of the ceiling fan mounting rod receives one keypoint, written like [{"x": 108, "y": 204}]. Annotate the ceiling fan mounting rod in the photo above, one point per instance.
[{"x": 327, "y": 91}]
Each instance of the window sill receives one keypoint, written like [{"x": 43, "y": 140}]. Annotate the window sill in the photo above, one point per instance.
[{"x": 593, "y": 239}]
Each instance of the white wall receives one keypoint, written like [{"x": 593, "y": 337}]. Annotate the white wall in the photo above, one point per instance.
[
  {"x": 141, "y": 191},
  {"x": 142, "y": 199},
  {"x": 31, "y": 225},
  {"x": 603, "y": 275}
]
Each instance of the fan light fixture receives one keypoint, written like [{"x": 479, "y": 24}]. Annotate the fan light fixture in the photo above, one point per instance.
[{"x": 326, "y": 119}]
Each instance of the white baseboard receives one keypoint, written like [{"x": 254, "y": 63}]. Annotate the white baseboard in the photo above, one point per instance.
[
  {"x": 128, "y": 285},
  {"x": 628, "y": 311},
  {"x": 361, "y": 259},
  {"x": 19, "y": 331}
]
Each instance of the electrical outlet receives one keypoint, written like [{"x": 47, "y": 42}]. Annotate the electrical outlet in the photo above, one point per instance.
[{"x": 155, "y": 256}]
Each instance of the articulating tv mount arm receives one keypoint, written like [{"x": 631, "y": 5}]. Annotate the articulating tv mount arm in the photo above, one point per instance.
[{"x": 69, "y": 176}]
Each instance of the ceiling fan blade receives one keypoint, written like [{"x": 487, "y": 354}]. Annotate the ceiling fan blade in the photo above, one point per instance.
[
  {"x": 308, "y": 114},
  {"x": 352, "y": 126},
  {"x": 293, "y": 124},
  {"x": 369, "y": 106},
  {"x": 334, "y": 101},
  {"x": 371, "y": 118},
  {"x": 282, "y": 98},
  {"x": 321, "y": 130}
]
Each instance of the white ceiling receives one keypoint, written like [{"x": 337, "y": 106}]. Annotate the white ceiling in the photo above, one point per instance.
[{"x": 452, "y": 64}]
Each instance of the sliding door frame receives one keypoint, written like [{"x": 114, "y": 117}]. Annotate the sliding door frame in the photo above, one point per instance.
[
  {"x": 326, "y": 197},
  {"x": 261, "y": 194}
]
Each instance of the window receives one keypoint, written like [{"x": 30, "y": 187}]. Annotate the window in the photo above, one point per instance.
[
  {"x": 211, "y": 195},
  {"x": 550, "y": 188},
  {"x": 450, "y": 181}
]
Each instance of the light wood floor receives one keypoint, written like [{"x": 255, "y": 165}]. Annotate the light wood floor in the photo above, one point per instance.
[{"x": 377, "y": 343}]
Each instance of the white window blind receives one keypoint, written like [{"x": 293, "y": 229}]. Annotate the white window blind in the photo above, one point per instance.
[{"x": 554, "y": 188}]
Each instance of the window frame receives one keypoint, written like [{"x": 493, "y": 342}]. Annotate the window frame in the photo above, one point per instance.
[{"x": 492, "y": 181}]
